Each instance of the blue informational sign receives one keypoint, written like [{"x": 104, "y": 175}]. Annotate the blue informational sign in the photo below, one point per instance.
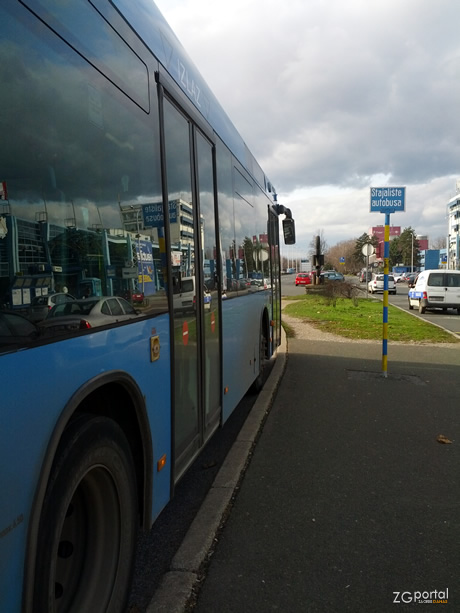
[
  {"x": 388, "y": 199},
  {"x": 146, "y": 271},
  {"x": 153, "y": 214}
]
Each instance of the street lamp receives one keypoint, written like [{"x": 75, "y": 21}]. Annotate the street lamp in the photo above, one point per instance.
[
  {"x": 139, "y": 255},
  {"x": 412, "y": 252},
  {"x": 412, "y": 255}
]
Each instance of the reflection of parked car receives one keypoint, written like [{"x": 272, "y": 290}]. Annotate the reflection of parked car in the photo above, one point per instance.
[
  {"x": 206, "y": 299},
  {"x": 303, "y": 278},
  {"x": 16, "y": 329},
  {"x": 184, "y": 294},
  {"x": 255, "y": 285},
  {"x": 377, "y": 281},
  {"x": 42, "y": 305},
  {"x": 88, "y": 313}
]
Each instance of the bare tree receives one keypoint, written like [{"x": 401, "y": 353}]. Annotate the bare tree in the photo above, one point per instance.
[
  {"x": 438, "y": 243},
  {"x": 343, "y": 251}
]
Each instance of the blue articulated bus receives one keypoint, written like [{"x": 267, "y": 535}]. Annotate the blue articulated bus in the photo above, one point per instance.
[{"x": 139, "y": 289}]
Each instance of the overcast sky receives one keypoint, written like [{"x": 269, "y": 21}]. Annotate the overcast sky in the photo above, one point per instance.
[{"x": 333, "y": 97}]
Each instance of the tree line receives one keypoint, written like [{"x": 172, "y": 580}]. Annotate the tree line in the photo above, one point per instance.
[{"x": 404, "y": 250}]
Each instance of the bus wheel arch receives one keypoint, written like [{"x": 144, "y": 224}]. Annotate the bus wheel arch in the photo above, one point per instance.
[
  {"x": 88, "y": 526},
  {"x": 115, "y": 397}
]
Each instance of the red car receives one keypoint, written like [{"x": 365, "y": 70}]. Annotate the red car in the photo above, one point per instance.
[{"x": 303, "y": 278}]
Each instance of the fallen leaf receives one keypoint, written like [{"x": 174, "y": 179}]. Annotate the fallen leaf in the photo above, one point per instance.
[{"x": 443, "y": 439}]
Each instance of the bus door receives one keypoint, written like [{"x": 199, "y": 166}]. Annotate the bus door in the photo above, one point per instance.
[
  {"x": 273, "y": 239},
  {"x": 196, "y": 372}
]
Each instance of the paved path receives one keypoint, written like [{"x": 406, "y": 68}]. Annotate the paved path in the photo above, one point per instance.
[{"x": 349, "y": 497}]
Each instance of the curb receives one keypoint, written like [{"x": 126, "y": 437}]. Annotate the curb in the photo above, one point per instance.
[{"x": 176, "y": 586}]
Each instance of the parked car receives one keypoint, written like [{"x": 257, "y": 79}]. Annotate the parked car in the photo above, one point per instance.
[
  {"x": 16, "y": 328},
  {"x": 410, "y": 277},
  {"x": 363, "y": 277},
  {"x": 435, "y": 289},
  {"x": 137, "y": 297},
  {"x": 303, "y": 278},
  {"x": 88, "y": 313},
  {"x": 377, "y": 282},
  {"x": 42, "y": 305},
  {"x": 331, "y": 275}
]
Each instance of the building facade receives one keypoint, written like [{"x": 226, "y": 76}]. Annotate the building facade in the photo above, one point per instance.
[{"x": 453, "y": 231}]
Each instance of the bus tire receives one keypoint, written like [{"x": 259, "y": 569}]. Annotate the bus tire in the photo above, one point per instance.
[
  {"x": 88, "y": 526},
  {"x": 260, "y": 380}
]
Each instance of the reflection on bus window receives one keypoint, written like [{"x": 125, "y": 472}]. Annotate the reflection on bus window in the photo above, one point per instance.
[{"x": 79, "y": 183}]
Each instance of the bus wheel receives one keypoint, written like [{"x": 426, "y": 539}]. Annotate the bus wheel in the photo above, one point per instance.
[
  {"x": 88, "y": 527},
  {"x": 259, "y": 382}
]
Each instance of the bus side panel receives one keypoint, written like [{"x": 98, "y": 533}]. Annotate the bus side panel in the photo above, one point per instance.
[
  {"x": 27, "y": 405},
  {"x": 241, "y": 319}
]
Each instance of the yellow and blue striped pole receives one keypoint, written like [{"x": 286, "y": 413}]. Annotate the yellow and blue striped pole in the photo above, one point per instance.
[{"x": 386, "y": 258}]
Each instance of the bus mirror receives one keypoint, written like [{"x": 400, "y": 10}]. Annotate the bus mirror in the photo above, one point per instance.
[{"x": 289, "y": 231}]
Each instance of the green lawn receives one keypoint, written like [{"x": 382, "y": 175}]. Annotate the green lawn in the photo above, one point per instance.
[{"x": 362, "y": 318}]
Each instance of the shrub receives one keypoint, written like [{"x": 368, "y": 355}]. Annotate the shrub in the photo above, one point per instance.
[{"x": 332, "y": 290}]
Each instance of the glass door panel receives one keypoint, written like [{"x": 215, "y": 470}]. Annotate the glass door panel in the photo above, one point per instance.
[
  {"x": 210, "y": 311},
  {"x": 184, "y": 241}
]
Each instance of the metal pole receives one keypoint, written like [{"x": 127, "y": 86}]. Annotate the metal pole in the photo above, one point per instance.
[
  {"x": 386, "y": 259},
  {"x": 412, "y": 255},
  {"x": 367, "y": 274}
]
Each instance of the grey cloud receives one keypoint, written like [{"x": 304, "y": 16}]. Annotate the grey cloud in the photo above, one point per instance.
[{"x": 332, "y": 93}]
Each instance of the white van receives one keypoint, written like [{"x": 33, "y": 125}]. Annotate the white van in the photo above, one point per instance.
[
  {"x": 184, "y": 295},
  {"x": 435, "y": 289}
]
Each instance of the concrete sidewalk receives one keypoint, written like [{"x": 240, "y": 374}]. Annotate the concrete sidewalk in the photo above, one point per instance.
[{"x": 348, "y": 499}]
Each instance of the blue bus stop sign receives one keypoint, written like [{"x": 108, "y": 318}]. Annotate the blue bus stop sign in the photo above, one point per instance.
[
  {"x": 388, "y": 199},
  {"x": 153, "y": 214}
]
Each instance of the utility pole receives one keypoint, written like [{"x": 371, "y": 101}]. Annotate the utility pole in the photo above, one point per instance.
[{"x": 318, "y": 258}]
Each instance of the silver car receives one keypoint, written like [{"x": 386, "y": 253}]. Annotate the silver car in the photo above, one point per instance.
[
  {"x": 42, "y": 305},
  {"x": 88, "y": 313}
]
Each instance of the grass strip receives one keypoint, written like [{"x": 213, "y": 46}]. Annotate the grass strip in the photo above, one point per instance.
[{"x": 362, "y": 319}]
